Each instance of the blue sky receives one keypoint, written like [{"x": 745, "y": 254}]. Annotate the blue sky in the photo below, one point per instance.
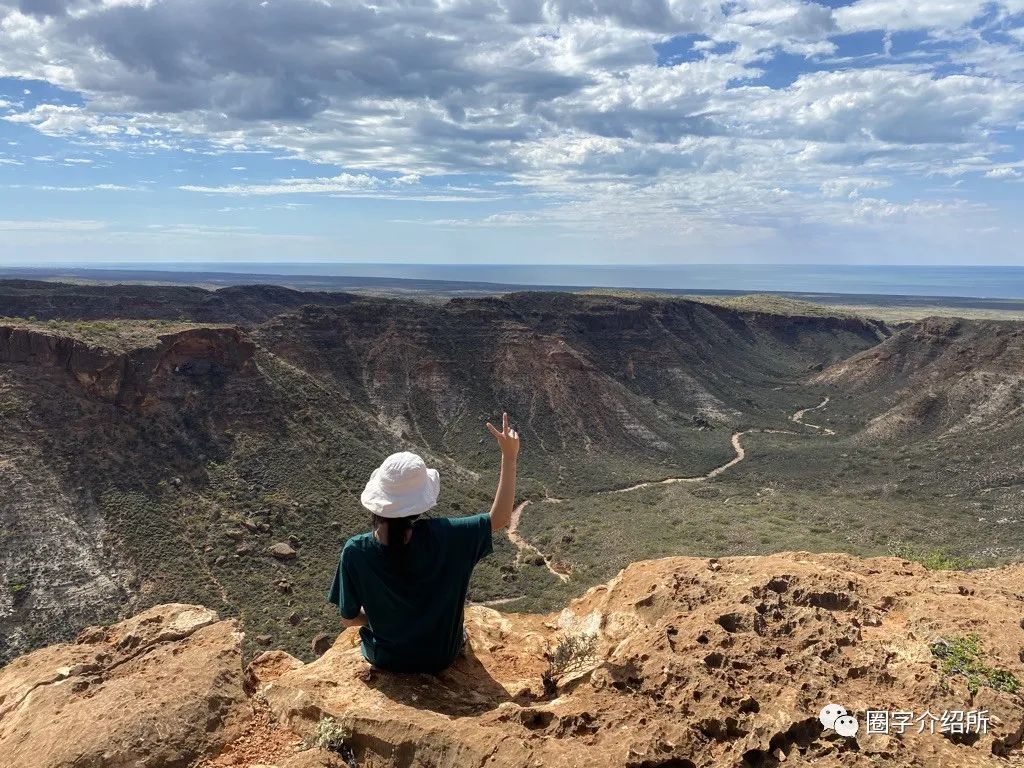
[{"x": 512, "y": 131}]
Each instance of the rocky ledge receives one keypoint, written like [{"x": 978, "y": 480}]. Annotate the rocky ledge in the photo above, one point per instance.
[
  {"x": 676, "y": 662},
  {"x": 126, "y": 375}
]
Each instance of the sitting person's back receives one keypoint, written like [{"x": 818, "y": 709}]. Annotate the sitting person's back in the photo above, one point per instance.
[
  {"x": 414, "y": 601},
  {"x": 405, "y": 582}
]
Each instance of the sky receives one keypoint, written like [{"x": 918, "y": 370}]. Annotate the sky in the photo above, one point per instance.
[{"x": 512, "y": 131}]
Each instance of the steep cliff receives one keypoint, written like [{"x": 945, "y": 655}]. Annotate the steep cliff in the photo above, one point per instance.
[
  {"x": 622, "y": 379},
  {"x": 74, "y": 399},
  {"x": 123, "y": 372}
]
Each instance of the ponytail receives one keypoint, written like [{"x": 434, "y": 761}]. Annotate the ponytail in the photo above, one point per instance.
[{"x": 397, "y": 533}]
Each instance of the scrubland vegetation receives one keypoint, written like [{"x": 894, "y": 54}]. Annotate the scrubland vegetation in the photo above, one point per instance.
[{"x": 180, "y": 494}]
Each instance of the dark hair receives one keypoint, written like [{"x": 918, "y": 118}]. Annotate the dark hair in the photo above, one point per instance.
[{"x": 397, "y": 528}]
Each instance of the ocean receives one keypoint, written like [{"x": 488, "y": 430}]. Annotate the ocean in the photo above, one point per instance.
[{"x": 966, "y": 281}]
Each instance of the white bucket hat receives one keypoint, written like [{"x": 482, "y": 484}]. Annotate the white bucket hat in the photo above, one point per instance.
[{"x": 401, "y": 487}]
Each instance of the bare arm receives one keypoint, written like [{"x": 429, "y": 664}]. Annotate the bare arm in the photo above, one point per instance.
[
  {"x": 505, "y": 496},
  {"x": 358, "y": 621}
]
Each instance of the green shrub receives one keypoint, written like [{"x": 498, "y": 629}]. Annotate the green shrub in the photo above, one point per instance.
[
  {"x": 963, "y": 656},
  {"x": 933, "y": 559}
]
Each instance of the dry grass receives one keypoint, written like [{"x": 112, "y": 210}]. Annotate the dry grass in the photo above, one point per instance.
[
  {"x": 900, "y": 314},
  {"x": 773, "y": 304},
  {"x": 114, "y": 335},
  {"x": 766, "y": 303}
]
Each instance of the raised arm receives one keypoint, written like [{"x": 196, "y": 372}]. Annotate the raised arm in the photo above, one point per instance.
[{"x": 505, "y": 496}]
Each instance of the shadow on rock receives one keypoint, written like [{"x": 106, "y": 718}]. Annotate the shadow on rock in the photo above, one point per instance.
[{"x": 465, "y": 689}]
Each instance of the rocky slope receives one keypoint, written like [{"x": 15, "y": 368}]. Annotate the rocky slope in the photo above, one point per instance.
[
  {"x": 679, "y": 662},
  {"x": 939, "y": 377},
  {"x": 157, "y": 460},
  {"x": 161, "y": 689},
  {"x": 124, "y": 374},
  {"x": 641, "y": 377},
  {"x": 73, "y": 399}
]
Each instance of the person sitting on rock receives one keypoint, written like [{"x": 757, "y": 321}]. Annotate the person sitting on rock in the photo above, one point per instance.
[{"x": 405, "y": 582}]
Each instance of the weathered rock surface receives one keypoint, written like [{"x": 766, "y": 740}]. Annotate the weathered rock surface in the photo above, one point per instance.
[
  {"x": 269, "y": 666},
  {"x": 695, "y": 663},
  {"x": 163, "y": 688}
]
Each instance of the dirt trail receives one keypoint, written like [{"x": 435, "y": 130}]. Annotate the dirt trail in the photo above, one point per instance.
[
  {"x": 737, "y": 445},
  {"x": 741, "y": 454},
  {"x": 556, "y": 569},
  {"x": 499, "y": 601},
  {"x": 798, "y": 417},
  {"x": 562, "y": 572}
]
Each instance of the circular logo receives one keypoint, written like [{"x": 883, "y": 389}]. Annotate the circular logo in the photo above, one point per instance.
[
  {"x": 829, "y": 713},
  {"x": 847, "y": 725}
]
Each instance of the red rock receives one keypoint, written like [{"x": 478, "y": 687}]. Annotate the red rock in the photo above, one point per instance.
[
  {"x": 687, "y": 666},
  {"x": 281, "y": 551},
  {"x": 691, "y": 667},
  {"x": 161, "y": 689},
  {"x": 269, "y": 666}
]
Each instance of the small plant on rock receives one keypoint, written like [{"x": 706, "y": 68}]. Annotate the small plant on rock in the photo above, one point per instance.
[
  {"x": 571, "y": 654},
  {"x": 332, "y": 736},
  {"x": 963, "y": 656},
  {"x": 933, "y": 559}
]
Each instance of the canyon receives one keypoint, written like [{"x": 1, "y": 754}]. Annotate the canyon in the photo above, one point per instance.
[{"x": 161, "y": 444}]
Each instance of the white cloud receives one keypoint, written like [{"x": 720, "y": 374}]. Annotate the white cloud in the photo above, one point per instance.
[
  {"x": 896, "y": 15},
  {"x": 562, "y": 101},
  {"x": 54, "y": 119},
  {"x": 51, "y": 225},
  {"x": 346, "y": 182},
  {"x": 851, "y": 187},
  {"x": 509, "y": 219},
  {"x": 348, "y": 185},
  {"x": 1005, "y": 172},
  {"x": 997, "y": 59},
  {"x": 890, "y": 105},
  {"x": 89, "y": 188},
  {"x": 876, "y": 210}
]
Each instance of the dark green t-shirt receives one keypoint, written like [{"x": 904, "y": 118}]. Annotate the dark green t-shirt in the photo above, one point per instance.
[{"x": 415, "y": 616}]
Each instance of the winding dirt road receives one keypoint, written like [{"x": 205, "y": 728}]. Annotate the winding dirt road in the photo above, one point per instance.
[
  {"x": 798, "y": 417},
  {"x": 557, "y": 569},
  {"x": 562, "y": 572},
  {"x": 737, "y": 446}
]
